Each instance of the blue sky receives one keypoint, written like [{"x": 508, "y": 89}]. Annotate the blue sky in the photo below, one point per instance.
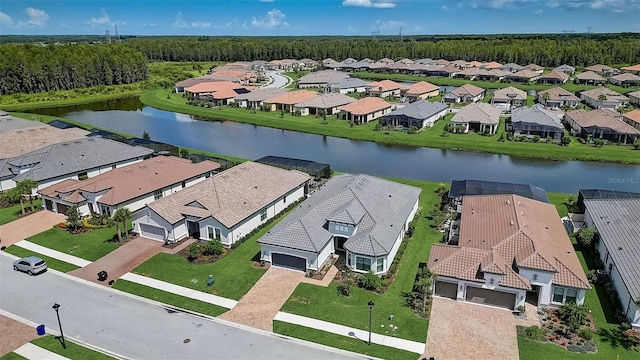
[{"x": 316, "y": 17}]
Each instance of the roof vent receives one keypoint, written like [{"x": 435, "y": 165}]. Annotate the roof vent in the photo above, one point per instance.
[
  {"x": 524, "y": 224},
  {"x": 127, "y": 169},
  {"x": 620, "y": 248},
  {"x": 142, "y": 166},
  {"x": 511, "y": 222},
  {"x": 508, "y": 202}
]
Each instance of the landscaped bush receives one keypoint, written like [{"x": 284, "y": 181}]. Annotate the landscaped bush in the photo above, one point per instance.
[
  {"x": 370, "y": 281},
  {"x": 194, "y": 251},
  {"x": 535, "y": 333},
  {"x": 213, "y": 248},
  {"x": 586, "y": 334},
  {"x": 573, "y": 315},
  {"x": 587, "y": 237}
]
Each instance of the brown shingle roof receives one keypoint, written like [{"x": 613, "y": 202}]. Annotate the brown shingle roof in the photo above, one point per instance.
[
  {"x": 631, "y": 68},
  {"x": 292, "y": 97},
  {"x": 555, "y": 75},
  {"x": 366, "y": 106}
]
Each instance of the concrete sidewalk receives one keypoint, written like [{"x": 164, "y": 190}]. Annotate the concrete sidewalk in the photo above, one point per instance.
[
  {"x": 53, "y": 253},
  {"x": 363, "y": 335},
  {"x": 34, "y": 352}
]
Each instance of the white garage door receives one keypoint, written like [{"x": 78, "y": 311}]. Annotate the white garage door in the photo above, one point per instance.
[{"x": 152, "y": 232}]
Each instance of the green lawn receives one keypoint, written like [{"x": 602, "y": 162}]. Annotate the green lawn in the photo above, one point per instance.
[
  {"x": 169, "y": 298},
  {"x": 429, "y": 137},
  {"x": 359, "y": 346},
  {"x": 90, "y": 246},
  {"x": 12, "y": 356},
  {"x": 325, "y": 303},
  {"x": 51, "y": 262},
  {"x": 73, "y": 350},
  {"x": 11, "y": 213}
]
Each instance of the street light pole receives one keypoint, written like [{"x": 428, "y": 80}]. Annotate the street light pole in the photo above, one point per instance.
[
  {"x": 55, "y": 307},
  {"x": 370, "y": 312}
]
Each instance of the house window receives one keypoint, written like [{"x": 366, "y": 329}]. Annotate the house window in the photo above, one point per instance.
[
  {"x": 564, "y": 295},
  {"x": 379, "y": 264},
  {"x": 572, "y": 296},
  {"x": 263, "y": 215},
  {"x": 363, "y": 264},
  {"x": 213, "y": 233},
  {"x": 558, "y": 294},
  {"x": 157, "y": 194},
  {"x": 349, "y": 259},
  {"x": 217, "y": 237}
]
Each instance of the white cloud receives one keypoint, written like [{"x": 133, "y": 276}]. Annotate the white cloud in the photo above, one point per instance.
[
  {"x": 104, "y": 19},
  {"x": 201, "y": 24},
  {"x": 444, "y": 8},
  {"x": 538, "y": 12},
  {"x": 151, "y": 24},
  {"x": 5, "y": 20},
  {"x": 273, "y": 19},
  {"x": 179, "y": 22},
  {"x": 499, "y": 4},
  {"x": 37, "y": 18},
  {"x": 381, "y": 4}
]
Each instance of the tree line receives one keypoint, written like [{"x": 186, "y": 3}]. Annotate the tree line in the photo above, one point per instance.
[
  {"x": 32, "y": 68},
  {"x": 548, "y": 51}
]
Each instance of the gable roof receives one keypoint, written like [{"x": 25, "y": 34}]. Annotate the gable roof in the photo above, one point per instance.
[
  {"x": 348, "y": 83},
  {"x": 422, "y": 87},
  {"x": 557, "y": 75},
  {"x": 232, "y": 195},
  {"x": 626, "y": 77},
  {"x": 365, "y": 106},
  {"x": 22, "y": 141},
  {"x": 132, "y": 181},
  {"x": 422, "y": 109},
  {"x": 327, "y": 101},
  {"x": 631, "y": 68},
  {"x": 611, "y": 96},
  {"x": 565, "y": 68},
  {"x": 510, "y": 93},
  {"x": 602, "y": 118},
  {"x": 524, "y": 74},
  {"x": 617, "y": 223},
  {"x": 379, "y": 208},
  {"x": 468, "y": 89},
  {"x": 599, "y": 68},
  {"x": 482, "y": 113},
  {"x": 292, "y": 97},
  {"x": 536, "y": 114}
]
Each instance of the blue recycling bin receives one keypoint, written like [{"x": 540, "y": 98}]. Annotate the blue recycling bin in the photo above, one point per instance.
[{"x": 40, "y": 329}]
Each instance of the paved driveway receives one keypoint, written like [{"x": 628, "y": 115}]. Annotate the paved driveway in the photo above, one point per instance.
[
  {"x": 16, "y": 337},
  {"x": 460, "y": 330},
  {"x": 28, "y": 226}
]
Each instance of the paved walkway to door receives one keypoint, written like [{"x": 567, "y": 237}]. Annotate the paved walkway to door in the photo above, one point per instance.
[
  {"x": 29, "y": 225},
  {"x": 259, "y": 306},
  {"x": 459, "y": 330}
]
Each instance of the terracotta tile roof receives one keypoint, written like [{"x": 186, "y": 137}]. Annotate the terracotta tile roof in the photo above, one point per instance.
[
  {"x": 422, "y": 87},
  {"x": 212, "y": 86},
  {"x": 626, "y": 77},
  {"x": 533, "y": 67},
  {"x": 631, "y": 68},
  {"x": 232, "y": 195},
  {"x": 292, "y": 97},
  {"x": 492, "y": 65},
  {"x": 474, "y": 64},
  {"x": 327, "y": 101},
  {"x": 468, "y": 89},
  {"x": 365, "y": 106},
  {"x": 603, "y": 118},
  {"x": 386, "y": 85},
  {"x": 633, "y": 115}
]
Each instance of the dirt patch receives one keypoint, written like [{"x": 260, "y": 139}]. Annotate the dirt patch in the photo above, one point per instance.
[{"x": 16, "y": 337}]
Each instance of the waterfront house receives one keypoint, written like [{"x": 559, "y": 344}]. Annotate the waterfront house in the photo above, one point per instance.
[
  {"x": 286, "y": 101},
  {"x": 320, "y": 79},
  {"x": 384, "y": 88},
  {"x": 632, "y": 118},
  {"x": 419, "y": 114},
  {"x": 254, "y": 99},
  {"x": 601, "y": 124},
  {"x": 346, "y": 86},
  {"x": 464, "y": 93},
  {"x": 508, "y": 98},
  {"x": 364, "y": 110},
  {"x": 537, "y": 121},
  {"x": 329, "y": 103},
  {"x": 420, "y": 91},
  {"x": 589, "y": 78},
  {"x": 478, "y": 117},
  {"x": 523, "y": 76}
]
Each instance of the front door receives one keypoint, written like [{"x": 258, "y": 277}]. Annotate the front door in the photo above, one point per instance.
[{"x": 194, "y": 229}]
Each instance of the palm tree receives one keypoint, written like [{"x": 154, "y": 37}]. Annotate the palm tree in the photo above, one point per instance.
[
  {"x": 602, "y": 98},
  {"x": 26, "y": 187},
  {"x": 121, "y": 216}
]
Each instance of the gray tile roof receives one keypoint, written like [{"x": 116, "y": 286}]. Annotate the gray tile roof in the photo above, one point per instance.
[
  {"x": 327, "y": 101},
  {"x": 72, "y": 157},
  {"x": 617, "y": 223},
  {"x": 378, "y": 207},
  {"x": 9, "y": 122},
  {"x": 348, "y": 83},
  {"x": 536, "y": 114},
  {"x": 260, "y": 94},
  {"x": 482, "y": 113},
  {"x": 422, "y": 109},
  {"x": 322, "y": 77}
]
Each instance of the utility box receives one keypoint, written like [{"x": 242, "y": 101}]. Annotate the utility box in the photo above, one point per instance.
[{"x": 210, "y": 281}]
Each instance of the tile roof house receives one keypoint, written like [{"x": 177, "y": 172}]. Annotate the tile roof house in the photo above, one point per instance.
[
  {"x": 319, "y": 79},
  {"x": 464, "y": 93},
  {"x": 567, "y": 69},
  {"x": 589, "y": 78},
  {"x": 632, "y": 118},
  {"x": 508, "y": 245},
  {"x": 557, "y": 97},
  {"x": 603, "y": 70},
  {"x": 226, "y": 206},
  {"x": 10, "y": 122},
  {"x": 287, "y": 100},
  {"x": 508, "y": 98},
  {"x": 87, "y": 157},
  {"x": 363, "y": 216},
  {"x": 534, "y": 67},
  {"x": 491, "y": 65},
  {"x": 634, "y": 69},
  {"x": 524, "y": 76},
  {"x": 634, "y": 97},
  {"x": 479, "y": 117},
  {"x": 254, "y": 99},
  {"x": 346, "y": 86},
  {"x": 536, "y": 120},
  {"x": 21, "y": 141},
  {"x": 601, "y": 124},
  {"x": 385, "y": 88},
  {"x": 625, "y": 79},
  {"x": 365, "y": 110},
  {"x": 132, "y": 186},
  {"x": 616, "y": 222},
  {"x": 604, "y": 98},
  {"x": 228, "y": 88},
  {"x": 554, "y": 77},
  {"x": 327, "y": 102},
  {"x": 419, "y": 114},
  {"x": 511, "y": 67},
  {"x": 420, "y": 91},
  {"x": 181, "y": 85}
]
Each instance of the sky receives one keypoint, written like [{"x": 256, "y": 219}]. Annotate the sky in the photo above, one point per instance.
[{"x": 316, "y": 17}]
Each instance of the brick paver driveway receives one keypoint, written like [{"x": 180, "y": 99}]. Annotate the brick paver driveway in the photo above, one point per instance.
[
  {"x": 460, "y": 330},
  {"x": 29, "y": 225},
  {"x": 259, "y": 306},
  {"x": 14, "y": 334}
]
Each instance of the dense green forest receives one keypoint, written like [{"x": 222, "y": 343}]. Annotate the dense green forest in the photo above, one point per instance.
[{"x": 33, "y": 68}]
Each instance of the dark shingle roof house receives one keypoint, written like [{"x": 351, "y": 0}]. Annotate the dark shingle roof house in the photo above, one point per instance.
[{"x": 419, "y": 114}]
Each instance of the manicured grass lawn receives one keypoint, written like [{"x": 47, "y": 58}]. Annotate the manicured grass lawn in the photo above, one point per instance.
[
  {"x": 11, "y": 213},
  {"x": 73, "y": 350},
  {"x": 12, "y": 356},
  {"x": 325, "y": 303},
  {"x": 51, "y": 262},
  {"x": 169, "y": 298},
  {"x": 90, "y": 246},
  {"x": 342, "y": 342},
  {"x": 429, "y": 137}
]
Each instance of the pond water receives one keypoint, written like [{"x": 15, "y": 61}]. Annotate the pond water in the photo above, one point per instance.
[{"x": 252, "y": 142}]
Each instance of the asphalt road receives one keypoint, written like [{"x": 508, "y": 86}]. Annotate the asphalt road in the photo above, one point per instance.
[
  {"x": 135, "y": 329},
  {"x": 279, "y": 81}
]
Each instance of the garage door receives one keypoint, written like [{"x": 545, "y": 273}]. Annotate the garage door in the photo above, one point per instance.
[
  {"x": 288, "y": 261},
  {"x": 446, "y": 289},
  {"x": 62, "y": 208},
  {"x": 48, "y": 204},
  {"x": 152, "y": 232},
  {"x": 491, "y": 297}
]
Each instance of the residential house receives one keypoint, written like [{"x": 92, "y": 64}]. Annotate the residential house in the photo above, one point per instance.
[
  {"x": 226, "y": 206},
  {"x": 441, "y": 71},
  {"x": 364, "y": 110},
  {"x": 132, "y": 186},
  {"x": 286, "y": 101},
  {"x": 508, "y": 98},
  {"x": 464, "y": 93},
  {"x": 361, "y": 216},
  {"x": 320, "y": 79},
  {"x": 634, "y": 69},
  {"x": 478, "y": 117},
  {"x": 474, "y": 63},
  {"x": 384, "y": 88},
  {"x": 511, "y": 67},
  {"x": 625, "y": 80},
  {"x": 634, "y": 98},
  {"x": 523, "y": 76},
  {"x": 472, "y": 73},
  {"x": 537, "y": 121},
  {"x": 77, "y": 159},
  {"x": 564, "y": 68},
  {"x": 181, "y": 85},
  {"x": 420, "y": 91},
  {"x": 604, "y": 98},
  {"x": 228, "y": 89},
  {"x": 346, "y": 86},
  {"x": 509, "y": 246},
  {"x": 632, "y": 118},
  {"x": 327, "y": 103},
  {"x": 557, "y": 97},
  {"x": 329, "y": 63},
  {"x": 554, "y": 77},
  {"x": 494, "y": 75},
  {"x": 461, "y": 188},
  {"x": 603, "y": 70},
  {"x": 616, "y": 222},
  {"x": 254, "y": 99},
  {"x": 589, "y": 78},
  {"x": 309, "y": 64},
  {"x": 419, "y": 114},
  {"x": 601, "y": 124},
  {"x": 534, "y": 67},
  {"x": 491, "y": 65},
  {"x": 21, "y": 141}
]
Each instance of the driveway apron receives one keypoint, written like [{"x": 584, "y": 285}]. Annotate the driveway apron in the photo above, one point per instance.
[
  {"x": 29, "y": 225},
  {"x": 16, "y": 337}
]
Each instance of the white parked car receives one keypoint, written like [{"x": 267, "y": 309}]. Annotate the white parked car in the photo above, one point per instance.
[{"x": 31, "y": 265}]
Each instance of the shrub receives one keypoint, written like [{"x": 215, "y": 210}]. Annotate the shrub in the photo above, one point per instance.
[
  {"x": 573, "y": 315},
  {"x": 598, "y": 143},
  {"x": 213, "y": 247},
  {"x": 636, "y": 145},
  {"x": 535, "y": 333},
  {"x": 370, "y": 281},
  {"x": 586, "y": 334},
  {"x": 412, "y": 130},
  {"x": 194, "y": 251},
  {"x": 586, "y": 237},
  {"x": 592, "y": 276},
  {"x": 536, "y": 139},
  {"x": 344, "y": 290},
  {"x": 577, "y": 349}
]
